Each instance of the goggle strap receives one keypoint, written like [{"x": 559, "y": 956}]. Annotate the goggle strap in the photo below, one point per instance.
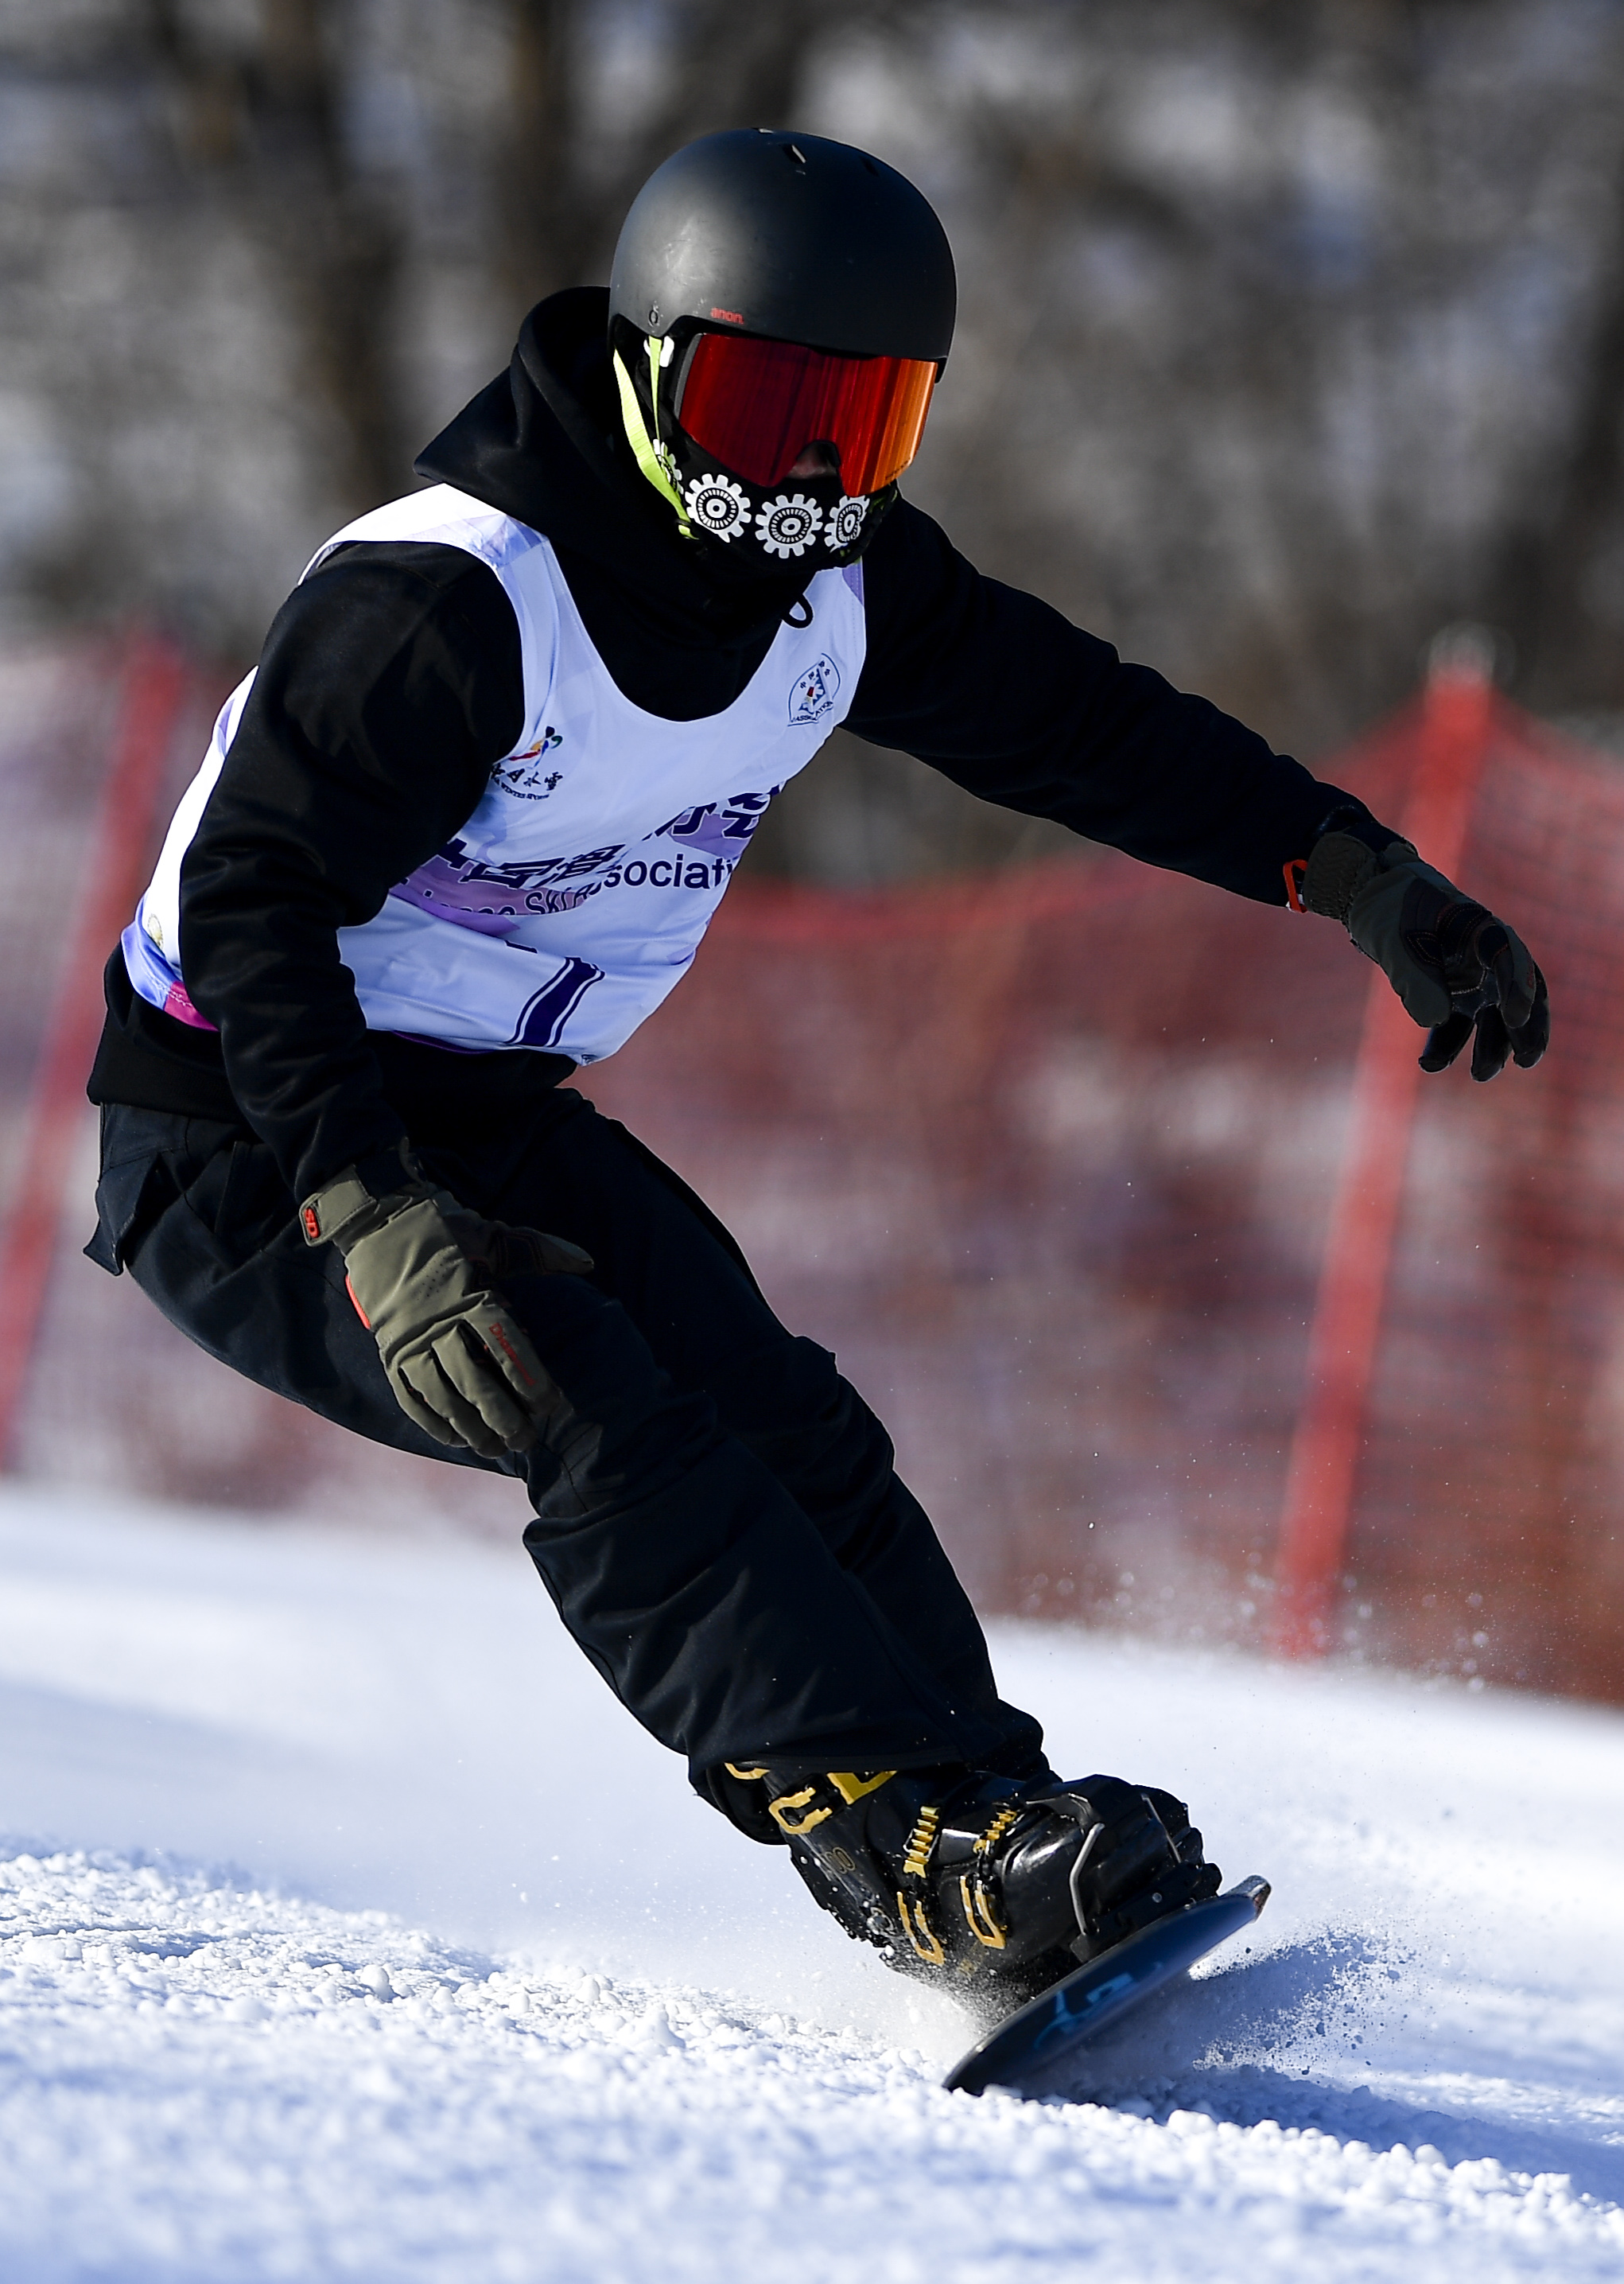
[{"x": 637, "y": 434}]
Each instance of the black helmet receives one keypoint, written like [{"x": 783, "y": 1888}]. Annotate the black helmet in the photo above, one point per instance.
[
  {"x": 830, "y": 280},
  {"x": 791, "y": 236}
]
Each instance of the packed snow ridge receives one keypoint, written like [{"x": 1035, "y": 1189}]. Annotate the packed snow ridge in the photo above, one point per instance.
[{"x": 632, "y": 2048}]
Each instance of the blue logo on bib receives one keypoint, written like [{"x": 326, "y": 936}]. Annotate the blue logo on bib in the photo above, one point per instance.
[{"x": 815, "y": 691}]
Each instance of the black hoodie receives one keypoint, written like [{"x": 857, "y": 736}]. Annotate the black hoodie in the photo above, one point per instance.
[{"x": 391, "y": 682}]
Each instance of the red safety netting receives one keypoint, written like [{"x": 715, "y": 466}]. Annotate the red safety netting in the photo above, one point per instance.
[{"x": 1047, "y": 1157}]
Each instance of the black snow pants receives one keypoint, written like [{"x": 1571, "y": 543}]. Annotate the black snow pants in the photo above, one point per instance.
[{"x": 737, "y": 1556}]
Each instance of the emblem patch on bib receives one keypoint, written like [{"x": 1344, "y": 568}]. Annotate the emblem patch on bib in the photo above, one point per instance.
[
  {"x": 529, "y": 776},
  {"x": 815, "y": 691}
]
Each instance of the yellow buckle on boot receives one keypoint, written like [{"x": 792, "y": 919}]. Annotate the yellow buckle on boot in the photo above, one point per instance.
[
  {"x": 980, "y": 1915},
  {"x": 846, "y": 1782},
  {"x": 996, "y": 1829},
  {"x": 853, "y": 1787},
  {"x": 982, "y": 1921},
  {"x": 921, "y": 1840},
  {"x": 926, "y": 1943},
  {"x": 782, "y": 1812}
]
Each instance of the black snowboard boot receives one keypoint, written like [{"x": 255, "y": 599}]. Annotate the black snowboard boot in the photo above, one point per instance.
[{"x": 993, "y": 1889}]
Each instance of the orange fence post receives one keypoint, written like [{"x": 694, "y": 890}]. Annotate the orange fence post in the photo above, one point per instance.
[
  {"x": 1457, "y": 709},
  {"x": 120, "y": 846}
]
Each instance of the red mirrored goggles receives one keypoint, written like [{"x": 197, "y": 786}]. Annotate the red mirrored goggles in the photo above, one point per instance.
[{"x": 757, "y": 404}]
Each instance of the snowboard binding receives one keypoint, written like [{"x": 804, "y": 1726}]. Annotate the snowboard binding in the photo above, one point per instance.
[{"x": 993, "y": 1889}]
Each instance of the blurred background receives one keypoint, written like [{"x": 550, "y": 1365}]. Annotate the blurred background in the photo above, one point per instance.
[{"x": 1292, "y": 332}]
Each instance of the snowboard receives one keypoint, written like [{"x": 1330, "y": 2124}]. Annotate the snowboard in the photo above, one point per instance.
[{"x": 1097, "y": 1996}]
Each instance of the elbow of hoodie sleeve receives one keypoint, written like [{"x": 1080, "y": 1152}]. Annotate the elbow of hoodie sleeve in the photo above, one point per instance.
[{"x": 1000, "y": 692}]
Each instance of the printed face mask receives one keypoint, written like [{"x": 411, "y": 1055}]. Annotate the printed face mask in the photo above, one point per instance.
[{"x": 776, "y": 525}]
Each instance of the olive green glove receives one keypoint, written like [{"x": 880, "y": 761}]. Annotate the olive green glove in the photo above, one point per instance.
[
  {"x": 425, "y": 1275},
  {"x": 1456, "y": 968}
]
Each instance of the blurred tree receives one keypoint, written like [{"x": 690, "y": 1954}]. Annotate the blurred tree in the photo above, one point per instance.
[
  {"x": 1290, "y": 328},
  {"x": 567, "y": 177},
  {"x": 258, "y": 116},
  {"x": 1557, "y": 584}
]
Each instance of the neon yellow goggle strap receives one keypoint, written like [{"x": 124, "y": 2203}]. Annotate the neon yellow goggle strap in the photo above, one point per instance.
[{"x": 641, "y": 444}]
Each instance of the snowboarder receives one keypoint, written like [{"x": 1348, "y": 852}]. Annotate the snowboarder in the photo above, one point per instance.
[{"x": 460, "y": 833}]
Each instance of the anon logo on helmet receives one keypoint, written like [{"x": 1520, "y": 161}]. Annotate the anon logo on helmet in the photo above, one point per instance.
[{"x": 815, "y": 691}]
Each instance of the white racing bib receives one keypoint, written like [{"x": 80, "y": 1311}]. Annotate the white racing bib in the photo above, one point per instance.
[{"x": 575, "y": 897}]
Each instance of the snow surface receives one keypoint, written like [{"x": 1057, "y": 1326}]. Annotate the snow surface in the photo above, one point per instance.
[{"x": 492, "y": 1997}]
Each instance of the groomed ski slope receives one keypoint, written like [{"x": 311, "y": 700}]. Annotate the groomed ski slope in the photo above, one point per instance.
[{"x": 348, "y": 1929}]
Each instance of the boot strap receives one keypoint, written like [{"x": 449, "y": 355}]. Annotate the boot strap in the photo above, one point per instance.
[
  {"x": 980, "y": 1911},
  {"x": 848, "y": 1784},
  {"x": 911, "y": 1909}
]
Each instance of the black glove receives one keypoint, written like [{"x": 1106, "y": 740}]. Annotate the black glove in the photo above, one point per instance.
[{"x": 1456, "y": 968}]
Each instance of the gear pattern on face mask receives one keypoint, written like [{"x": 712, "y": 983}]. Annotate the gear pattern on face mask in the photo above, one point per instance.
[
  {"x": 717, "y": 505},
  {"x": 846, "y": 520},
  {"x": 714, "y": 504},
  {"x": 788, "y": 524}
]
